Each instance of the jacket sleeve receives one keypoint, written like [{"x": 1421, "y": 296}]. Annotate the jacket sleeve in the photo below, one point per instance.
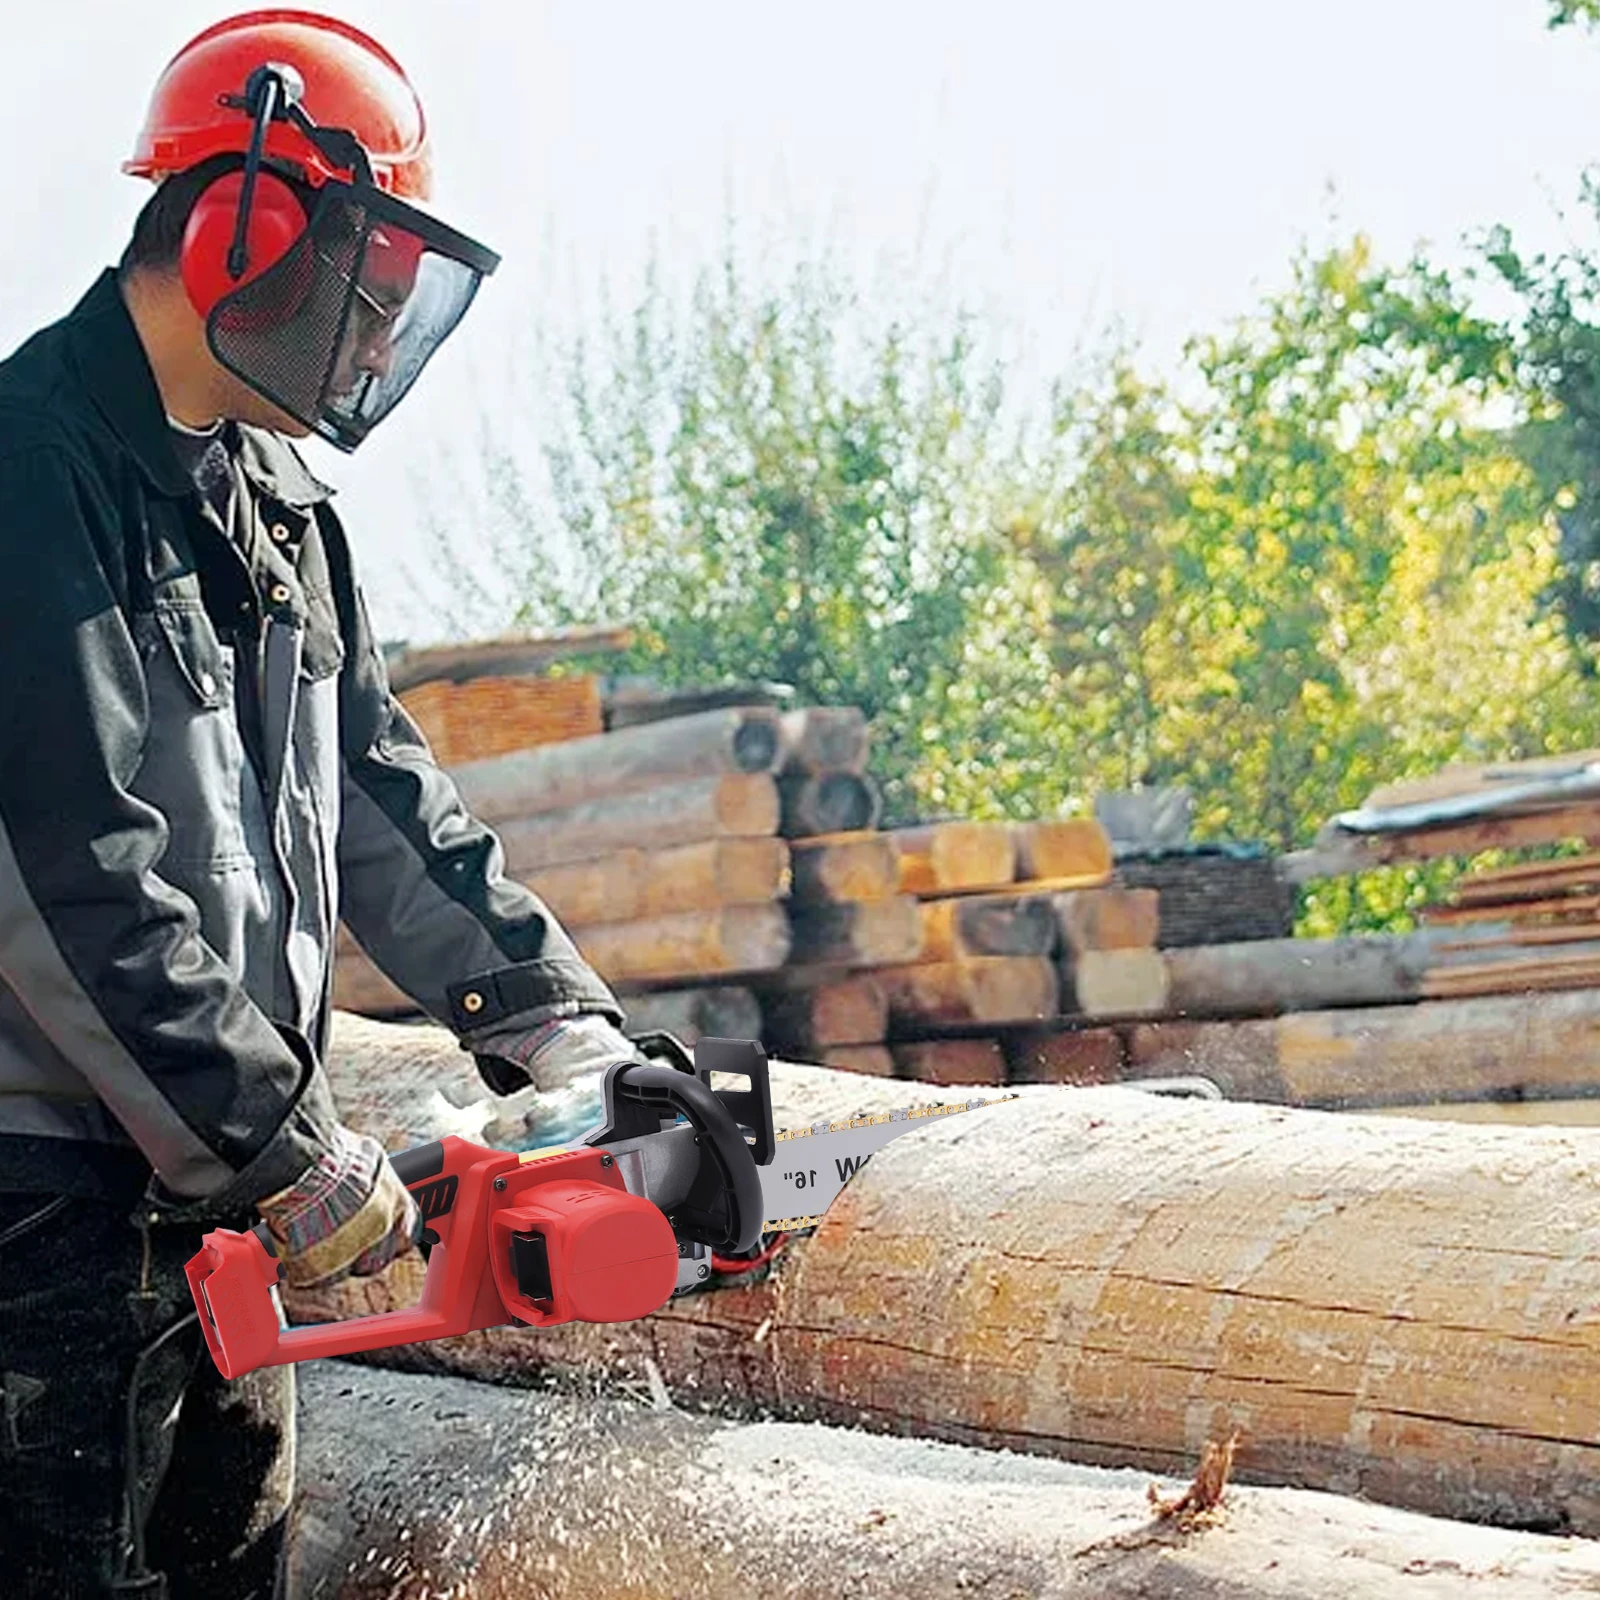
[
  {"x": 106, "y": 956},
  {"x": 423, "y": 886}
]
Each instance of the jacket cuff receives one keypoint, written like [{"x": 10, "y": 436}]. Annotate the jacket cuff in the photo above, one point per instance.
[{"x": 524, "y": 995}]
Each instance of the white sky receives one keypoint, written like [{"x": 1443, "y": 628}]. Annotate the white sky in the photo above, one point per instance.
[{"x": 1067, "y": 164}]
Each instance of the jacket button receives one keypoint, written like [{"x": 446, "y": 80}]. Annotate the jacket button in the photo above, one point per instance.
[
  {"x": 472, "y": 1001},
  {"x": 208, "y": 684},
  {"x": 280, "y": 534},
  {"x": 279, "y": 593}
]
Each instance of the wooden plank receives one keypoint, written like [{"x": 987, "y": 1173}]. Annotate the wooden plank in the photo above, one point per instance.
[
  {"x": 988, "y": 925},
  {"x": 827, "y": 802},
  {"x": 1572, "y": 905},
  {"x": 512, "y": 655},
  {"x": 1108, "y": 919},
  {"x": 972, "y": 1062},
  {"x": 737, "y": 805},
  {"x": 825, "y": 739},
  {"x": 941, "y": 857},
  {"x": 1064, "y": 847},
  {"x": 718, "y": 1011},
  {"x": 855, "y": 866},
  {"x": 1480, "y": 778},
  {"x": 688, "y": 945},
  {"x": 1528, "y": 880},
  {"x": 1065, "y": 1055},
  {"x": 1407, "y": 1306},
  {"x": 1340, "y": 853},
  {"x": 1114, "y": 983},
  {"x": 857, "y": 933},
  {"x": 527, "y": 783},
  {"x": 987, "y": 990},
  {"x": 635, "y": 884},
  {"x": 800, "y": 1022}
]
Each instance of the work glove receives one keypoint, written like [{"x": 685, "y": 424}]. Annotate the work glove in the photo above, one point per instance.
[
  {"x": 555, "y": 1071},
  {"x": 348, "y": 1213}
]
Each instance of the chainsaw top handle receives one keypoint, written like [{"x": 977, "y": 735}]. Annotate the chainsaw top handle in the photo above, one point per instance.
[{"x": 724, "y": 1207}]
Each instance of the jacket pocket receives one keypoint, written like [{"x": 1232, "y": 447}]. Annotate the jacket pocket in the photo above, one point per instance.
[{"x": 194, "y": 770}]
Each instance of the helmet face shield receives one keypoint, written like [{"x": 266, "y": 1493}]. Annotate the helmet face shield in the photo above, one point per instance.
[{"x": 337, "y": 330}]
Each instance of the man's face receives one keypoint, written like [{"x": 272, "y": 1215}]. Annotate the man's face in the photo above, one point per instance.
[{"x": 388, "y": 277}]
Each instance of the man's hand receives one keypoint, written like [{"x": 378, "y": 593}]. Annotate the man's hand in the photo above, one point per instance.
[
  {"x": 348, "y": 1213},
  {"x": 564, "y": 1062}
]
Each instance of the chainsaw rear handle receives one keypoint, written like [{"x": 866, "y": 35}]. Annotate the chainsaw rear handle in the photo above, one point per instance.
[{"x": 541, "y": 1240}]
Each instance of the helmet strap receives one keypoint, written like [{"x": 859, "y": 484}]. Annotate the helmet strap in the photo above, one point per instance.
[{"x": 270, "y": 93}]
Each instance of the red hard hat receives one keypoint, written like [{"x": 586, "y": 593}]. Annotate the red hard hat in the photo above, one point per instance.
[{"x": 351, "y": 82}]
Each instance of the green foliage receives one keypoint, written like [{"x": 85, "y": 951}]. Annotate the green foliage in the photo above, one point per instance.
[
  {"x": 1563, "y": 13},
  {"x": 1312, "y": 563}
]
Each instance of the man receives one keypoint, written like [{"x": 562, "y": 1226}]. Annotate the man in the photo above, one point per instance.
[{"x": 201, "y": 771}]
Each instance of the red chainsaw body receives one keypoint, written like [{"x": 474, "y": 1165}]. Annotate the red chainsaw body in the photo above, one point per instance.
[{"x": 551, "y": 1239}]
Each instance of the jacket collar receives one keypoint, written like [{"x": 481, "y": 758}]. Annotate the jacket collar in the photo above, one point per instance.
[{"x": 115, "y": 370}]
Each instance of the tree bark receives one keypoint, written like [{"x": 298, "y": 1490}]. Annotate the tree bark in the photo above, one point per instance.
[{"x": 555, "y": 777}]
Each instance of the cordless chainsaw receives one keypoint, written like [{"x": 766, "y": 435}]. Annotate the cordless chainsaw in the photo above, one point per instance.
[{"x": 678, "y": 1179}]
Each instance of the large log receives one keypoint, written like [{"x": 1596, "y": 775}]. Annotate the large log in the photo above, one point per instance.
[
  {"x": 1395, "y": 1308},
  {"x": 799, "y": 1021},
  {"x": 554, "y": 777},
  {"x": 1540, "y": 1046},
  {"x": 1258, "y": 977},
  {"x": 724, "y": 1011},
  {"x": 987, "y": 925},
  {"x": 988, "y": 991},
  {"x": 815, "y": 803},
  {"x": 1114, "y": 983},
  {"x": 860, "y": 866},
  {"x": 1108, "y": 919},
  {"x": 651, "y": 883},
  {"x": 951, "y": 1061},
  {"x": 1067, "y": 847},
  {"x": 858, "y": 933},
  {"x": 740, "y": 805},
  {"x": 416, "y": 1488},
  {"x": 947, "y": 857},
  {"x": 687, "y": 945},
  {"x": 825, "y": 739}
]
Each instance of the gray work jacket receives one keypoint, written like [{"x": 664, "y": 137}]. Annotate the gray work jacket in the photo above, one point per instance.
[{"x": 202, "y": 770}]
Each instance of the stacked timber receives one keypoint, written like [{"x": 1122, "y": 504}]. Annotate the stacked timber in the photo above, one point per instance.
[
  {"x": 1532, "y": 926},
  {"x": 487, "y": 717}
]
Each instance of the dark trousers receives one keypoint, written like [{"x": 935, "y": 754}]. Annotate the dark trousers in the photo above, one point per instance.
[{"x": 128, "y": 1467}]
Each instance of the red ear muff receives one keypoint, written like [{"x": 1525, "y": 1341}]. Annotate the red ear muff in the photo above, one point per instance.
[{"x": 277, "y": 223}]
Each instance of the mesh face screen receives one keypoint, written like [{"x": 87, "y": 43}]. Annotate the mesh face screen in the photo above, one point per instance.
[{"x": 337, "y": 331}]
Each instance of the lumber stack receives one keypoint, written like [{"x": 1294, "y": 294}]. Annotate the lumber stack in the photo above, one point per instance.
[{"x": 1531, "y": 926}]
